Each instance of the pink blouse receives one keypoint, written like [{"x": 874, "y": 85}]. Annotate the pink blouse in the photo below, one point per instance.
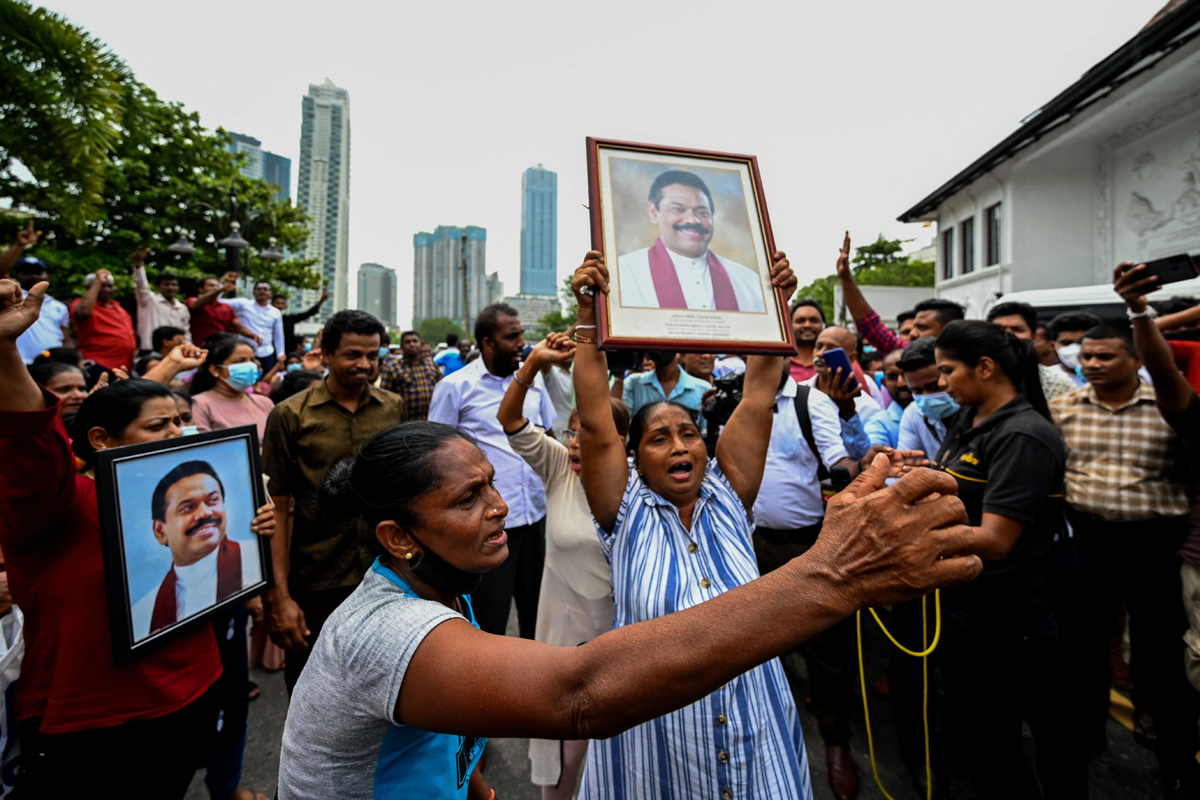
[{"x": 212, "y": 411}]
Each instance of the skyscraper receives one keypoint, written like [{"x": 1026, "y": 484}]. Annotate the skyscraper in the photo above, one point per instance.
[
  {"x": 377, "y": 292},
  {"x": 274, "y": 169},
  {"x": 438, "y": 277},
  {"x": 539, "y": 231},
  {"x": 324, "y": 189}
]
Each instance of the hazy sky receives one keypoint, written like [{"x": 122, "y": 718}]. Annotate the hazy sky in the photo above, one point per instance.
[{"x": 856, "y": 110}]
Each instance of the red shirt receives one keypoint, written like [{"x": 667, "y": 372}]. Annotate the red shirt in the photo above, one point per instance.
[
  {"x": 213, "y": 318},
  {"x": 800, "y": 372},
  {"x": 50, "y": 533},
  {"x": 106, "y": 336}
]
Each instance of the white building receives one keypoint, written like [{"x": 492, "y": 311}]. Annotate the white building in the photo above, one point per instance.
[
  {"x": 377, "y": 292},
  {"x": 324, "y": 191},
  {"x": 438, "y": 280},
  {"x": 1107, "y": 171}
]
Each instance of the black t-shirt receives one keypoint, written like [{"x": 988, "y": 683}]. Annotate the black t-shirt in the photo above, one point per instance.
[
  {"x": 1187, "y": 424},
  {"x": 1012, "y": 464}
]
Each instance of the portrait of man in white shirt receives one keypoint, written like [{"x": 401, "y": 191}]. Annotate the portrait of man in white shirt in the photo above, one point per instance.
[
  {"x": 189, "y": 518},
  {"x": 679, "y": 270}
]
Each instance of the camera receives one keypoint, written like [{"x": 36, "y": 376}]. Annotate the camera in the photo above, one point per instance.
[{"x": 720, "y": 407}]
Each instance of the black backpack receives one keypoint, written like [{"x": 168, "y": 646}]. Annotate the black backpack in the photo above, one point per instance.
[{"x": 806, "y": 428}]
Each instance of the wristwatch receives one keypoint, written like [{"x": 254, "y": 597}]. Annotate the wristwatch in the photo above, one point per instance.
[{"x": 1149, "y": 313}]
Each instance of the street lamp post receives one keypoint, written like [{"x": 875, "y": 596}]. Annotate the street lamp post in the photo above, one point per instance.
[{"x": 233, "y": 243}]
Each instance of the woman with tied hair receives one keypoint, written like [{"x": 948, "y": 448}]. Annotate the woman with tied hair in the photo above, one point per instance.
[
  {"x": 575, "y": 603},
  {"x": 79, "y": 714},
  {"x": 221, "y": 396},
  {"x": 999, "y": 646},
  {"x": 401, "y": 689}
]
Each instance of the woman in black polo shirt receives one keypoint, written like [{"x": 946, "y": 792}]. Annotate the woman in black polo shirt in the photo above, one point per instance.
[{"x": 1000, "y": 635}]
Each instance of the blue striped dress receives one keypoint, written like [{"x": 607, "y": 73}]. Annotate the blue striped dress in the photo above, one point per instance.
[{"x": 743, "y": 740}]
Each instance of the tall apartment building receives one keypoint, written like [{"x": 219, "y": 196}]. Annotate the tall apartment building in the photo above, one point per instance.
[
  {"x": 271, "y": 167},
  {"x": 438, "y": 275},
  {"x": 377, "y": 292},
  {"x": 324, "y": 190},
  {"x": 539, "y": 231}
]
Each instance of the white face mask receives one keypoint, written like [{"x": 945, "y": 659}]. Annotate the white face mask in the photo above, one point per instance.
[{"x": 1068, "y": 355}]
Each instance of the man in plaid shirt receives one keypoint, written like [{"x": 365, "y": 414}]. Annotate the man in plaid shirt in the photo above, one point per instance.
[
  {"x": 411, "y": 376},
  {"x": 1129, "y": 512}
]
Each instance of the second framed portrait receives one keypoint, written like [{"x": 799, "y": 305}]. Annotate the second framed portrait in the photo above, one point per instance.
[
  {"x": 175, "y": 517},
  {"x": 688, "y": 244}
]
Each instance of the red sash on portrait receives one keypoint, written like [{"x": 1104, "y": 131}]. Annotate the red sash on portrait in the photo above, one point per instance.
[
  {"x": 229, "y": 581},
  {"x": 670, "y": 293}
]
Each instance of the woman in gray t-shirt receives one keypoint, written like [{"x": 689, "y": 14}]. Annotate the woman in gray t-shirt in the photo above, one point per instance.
[{"x": 401, "y": 688}]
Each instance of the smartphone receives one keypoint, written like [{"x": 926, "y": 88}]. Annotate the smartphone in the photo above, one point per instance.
[
  {"x": 1179, "y": 267},
  {"x": 835, "y": 358}
]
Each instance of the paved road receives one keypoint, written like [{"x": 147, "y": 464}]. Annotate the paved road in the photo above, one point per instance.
[{"x": 1125, "y": 772}]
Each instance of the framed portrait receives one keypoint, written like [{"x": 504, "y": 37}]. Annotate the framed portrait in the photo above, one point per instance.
[
  {"x": 688, "y": 244},
  {"x": 175, "y": 520}
]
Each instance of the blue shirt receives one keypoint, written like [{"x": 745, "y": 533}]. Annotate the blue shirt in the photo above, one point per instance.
[
  {"x": 885, "y": 428},
  {"x": 449, "y": 360},
  {"x": 644, "y": 387},
  {"x": 745, "y": 737},
  {"x": 917, "y": 432}
]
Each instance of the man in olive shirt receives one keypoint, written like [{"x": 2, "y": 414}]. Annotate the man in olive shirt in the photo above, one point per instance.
[{"x": 318, "y": 564}]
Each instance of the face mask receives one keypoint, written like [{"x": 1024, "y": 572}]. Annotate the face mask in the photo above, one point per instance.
[
  {"x": 294, "y": 367},
  {"x": 189, "y": 430},
  {"x": 242, "y": 376},
  {"x": 307, "y": 346},
  {"x": 937, "y": 405},
  {"x": 383, "y": 351},
  {"x": 1068, "y": 354},
  {"x": 440, "y": 573}
]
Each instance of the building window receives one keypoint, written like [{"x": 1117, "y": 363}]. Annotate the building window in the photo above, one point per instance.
[
  {"x": 968, "y": 246},
  {"x": 993, "y": 235},
  {"x": 948, "y": 254}
]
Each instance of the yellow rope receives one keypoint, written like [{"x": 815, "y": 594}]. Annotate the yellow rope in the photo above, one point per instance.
[{"x": 924, "y": 656}]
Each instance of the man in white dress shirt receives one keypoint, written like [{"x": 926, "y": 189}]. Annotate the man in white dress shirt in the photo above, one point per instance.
[
  {"x": 469, "y": 398},
  {"x": 263, "y": 319},
  {"x": 679, "y": 271},
  {"x": 188, "y": 509}
]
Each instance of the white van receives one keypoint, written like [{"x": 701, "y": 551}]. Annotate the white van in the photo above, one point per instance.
[{"x": 1100, "y": 299}]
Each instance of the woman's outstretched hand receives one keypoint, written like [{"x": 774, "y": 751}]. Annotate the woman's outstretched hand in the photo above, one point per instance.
[{"x": 894, "y": 543}]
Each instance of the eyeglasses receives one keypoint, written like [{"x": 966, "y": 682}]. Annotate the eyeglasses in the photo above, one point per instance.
[{"x": 567, "y": 435}]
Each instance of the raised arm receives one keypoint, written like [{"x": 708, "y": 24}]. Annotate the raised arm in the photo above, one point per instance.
[
  {"x": 228, "y": 284},
  {"x": 17, "y": 312},
  {"x": 303, "y": 315},
  {"x": 1171, "y": 388},
  {"x": 865, "y": 318},
  {"x": 556, "y": 348},
  {"x": 877, "y": 546},
  {"x": 88, "y": 304},
  {"x": 180, "y": 359},
  {"x": 742, "y": 447},
  {"x": 605, "y": 463},
  {"x": 141, "y": 284},
  {"x": 26, "y": 237}
]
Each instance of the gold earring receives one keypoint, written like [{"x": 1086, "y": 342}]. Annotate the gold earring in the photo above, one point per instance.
[{"x": 408, "y": 556}]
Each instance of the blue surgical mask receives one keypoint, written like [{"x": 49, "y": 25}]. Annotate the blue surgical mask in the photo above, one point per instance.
[
  {"x": 294, "y": 367},
  {"x": 189, "y": 430},
  {"x": 936, "y": 405},
  {"x": 242, "y": 376},
  {"x": 383, "y": 351}
]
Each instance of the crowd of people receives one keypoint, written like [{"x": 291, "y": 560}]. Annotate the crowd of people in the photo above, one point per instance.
[{"x": 667, "y": 526}]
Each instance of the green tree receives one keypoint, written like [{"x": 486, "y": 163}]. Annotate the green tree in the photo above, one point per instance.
[
  {"x": 434, "y": 329},
  {"x": 156, "y": 179},
  {"x": 65, "y": 106},
  {"x": 559, "y": 320},
  {"x": 878, "y": 263},
  {"x": 820, "y": 290}
]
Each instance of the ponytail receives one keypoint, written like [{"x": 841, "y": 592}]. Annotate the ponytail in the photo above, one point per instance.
[{"x": 970, "y": 340}]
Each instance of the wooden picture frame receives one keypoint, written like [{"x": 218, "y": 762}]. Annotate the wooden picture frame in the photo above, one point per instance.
[
  {"x": 668, "y": 289},
  {"x": 177, "y": 512}
]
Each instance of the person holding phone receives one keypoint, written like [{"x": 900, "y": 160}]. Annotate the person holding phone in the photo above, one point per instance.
[{"x": 1000, "y": 639}]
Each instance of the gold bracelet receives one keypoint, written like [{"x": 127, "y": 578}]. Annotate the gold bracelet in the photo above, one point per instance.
[{"x": 578, "y": 340}]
